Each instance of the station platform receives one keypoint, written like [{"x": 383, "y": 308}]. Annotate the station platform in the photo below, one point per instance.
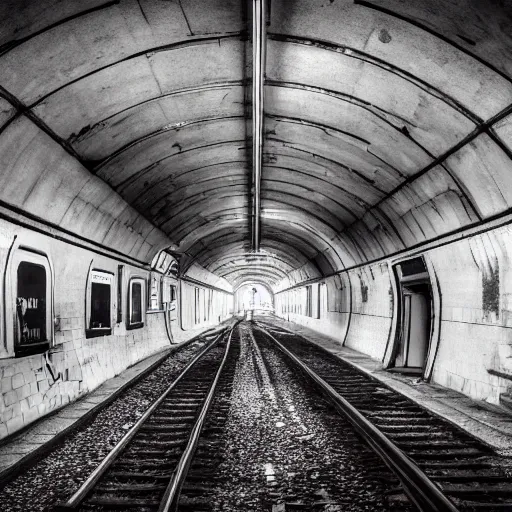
[
  {"x": 43, "y": 434},
  {"x": 489, "y": 423}
]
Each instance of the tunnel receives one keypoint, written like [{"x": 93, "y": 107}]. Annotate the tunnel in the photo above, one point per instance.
[{"x": 349, "y": 160}]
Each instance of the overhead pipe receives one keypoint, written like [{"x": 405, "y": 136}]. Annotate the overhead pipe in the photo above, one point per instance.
[{"x": 259, "y": 37}]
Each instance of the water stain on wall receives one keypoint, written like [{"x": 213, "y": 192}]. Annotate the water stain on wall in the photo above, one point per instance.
[{"x": 491, "y": 291}]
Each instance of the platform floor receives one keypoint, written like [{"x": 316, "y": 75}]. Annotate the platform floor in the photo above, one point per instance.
[{"x": 491, "y": 424}]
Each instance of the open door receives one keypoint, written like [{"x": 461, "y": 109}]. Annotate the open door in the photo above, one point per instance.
[{"x": 414, "y": 334}]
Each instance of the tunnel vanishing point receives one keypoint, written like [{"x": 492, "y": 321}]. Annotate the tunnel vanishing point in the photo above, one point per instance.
[{"x": 350, "y": 158}]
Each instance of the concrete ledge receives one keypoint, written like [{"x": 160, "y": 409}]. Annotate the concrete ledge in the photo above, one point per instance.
[{"x": 487, "y": 423}]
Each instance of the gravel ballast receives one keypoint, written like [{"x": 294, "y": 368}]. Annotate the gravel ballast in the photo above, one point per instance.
[{"x": 287, "y": 449}]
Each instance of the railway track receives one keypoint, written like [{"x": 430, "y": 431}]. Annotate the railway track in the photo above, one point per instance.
[
  {"x": 202, "y": 477},
  {"x": 440, "y": 467},
  {"x": 293, "y": 459},
  {"x": 146, "y": 470}
]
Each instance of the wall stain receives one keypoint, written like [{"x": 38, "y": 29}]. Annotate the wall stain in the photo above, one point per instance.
[
  {"x": 491, "y": 291},
  {"x": 364, "y": 290},
  {"x": 384, "y": 36}
]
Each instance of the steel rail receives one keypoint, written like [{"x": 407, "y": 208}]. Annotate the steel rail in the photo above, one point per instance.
[
  {"x": 170, "y": 501},
  {"x": 419, "y": 488},
  {"x": 78, "y": 497}
]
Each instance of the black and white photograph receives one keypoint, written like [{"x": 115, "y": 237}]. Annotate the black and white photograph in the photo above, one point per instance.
[{"x": 256, "y": 255}]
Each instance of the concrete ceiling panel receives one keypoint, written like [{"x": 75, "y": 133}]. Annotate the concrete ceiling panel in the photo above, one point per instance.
[
  {"x": 216, "y": 244},
  {"x": 281, "y": 250},
  {"x": 430, "y": 206},
  {"x": 184, "y": 166},
  {"x": 503, "y": 130},
  {"x": 302, "y": 236},
  {"x": 34, "y": 169},
  {"x": 235, "y": 224},
  {"x": 22, "y": 19},
  {"x": 346, "y": 245},
  {"x": 179, "y": 201},
  {"x": 430, "y": 120},
  {"x": 169, "y": 112},
  {"x": 211, "y": 205},
  {"x": 293, "y": 240},
  {"x": 383, "y": 232},
  {"x": 237, "y": 256},
  {"x": 39, "y": 177},
  {"x": 336, "y": 146},
  {"x": 270, "y": 272},
  {"x": 358, "y": 179},
  {"x": 308, "y": 199},
  {"x": 170, "y": 193},
  {"x": 359, "y": 120},
  {"x": 211, "y": 17},
  {"x": 277, "y": 201},
  {"x": 368, "y": 244},
  {"x": 192, "y": 140},
  {"x": 476, "y": 27},
  {"x": 233, "y": 255},
  {"x": 348, "y": 205},
  {"x": 75, "y": 109},
  {"x": 341, "y": 183},
  {"x": 104, "y": 37},
  {"x": 72, "y": 50},
  {"x": 215, "y": 61},
  {"x": 484, "y": 169},
  {"x": 310, "y": 228},
  {"x": 396, "y": 42},
  {"x": 7, "y": 112}
]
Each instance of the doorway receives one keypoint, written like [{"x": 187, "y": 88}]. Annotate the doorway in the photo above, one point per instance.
[{"x": 415, "y": 306}]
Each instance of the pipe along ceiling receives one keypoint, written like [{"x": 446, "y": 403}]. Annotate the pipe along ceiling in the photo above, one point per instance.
[{"x": 350, "y": 131}]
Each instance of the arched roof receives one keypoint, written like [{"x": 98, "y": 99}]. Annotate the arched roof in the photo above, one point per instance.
[{"x": 387, "y": 124}]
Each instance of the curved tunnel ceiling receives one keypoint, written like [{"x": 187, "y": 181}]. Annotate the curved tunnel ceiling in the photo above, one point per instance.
[{"x": 387, "y": 123}]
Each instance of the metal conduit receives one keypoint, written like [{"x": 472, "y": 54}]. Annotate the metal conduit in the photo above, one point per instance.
[{"x": 258, "y": 76}]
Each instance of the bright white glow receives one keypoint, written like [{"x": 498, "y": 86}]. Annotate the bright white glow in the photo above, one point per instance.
[
  {"x": 269, "y": 469},
  {"x": 250, "y": 299}
]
